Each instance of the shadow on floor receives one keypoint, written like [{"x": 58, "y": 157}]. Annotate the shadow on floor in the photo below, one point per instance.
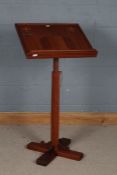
[{"x": 84, "y": 132}]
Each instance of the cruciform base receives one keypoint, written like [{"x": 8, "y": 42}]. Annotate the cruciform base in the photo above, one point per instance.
[{"x": 50, "y": 152}]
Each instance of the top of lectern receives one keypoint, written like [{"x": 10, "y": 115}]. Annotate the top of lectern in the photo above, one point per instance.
[{"x": 52, "y": 40}]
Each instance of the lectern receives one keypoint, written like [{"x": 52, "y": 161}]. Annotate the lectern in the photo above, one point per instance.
[{"x": 54, "y": 40}]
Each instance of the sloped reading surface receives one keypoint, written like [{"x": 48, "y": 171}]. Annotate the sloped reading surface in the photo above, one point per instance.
[{"x": 54, "y": 40}]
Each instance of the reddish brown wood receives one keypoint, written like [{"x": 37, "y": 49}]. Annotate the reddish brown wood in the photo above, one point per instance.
[
  {"x": 57, "y": 147},
  {"x": 53, "y": 41},
  {"x": 47, "y": 157},
  {"x": 66, "y": 153},
  {"x": 50, "y": 151},
  {"x": 55, "y": 102},
  {"x": 50, "y": 40},
  {"x": 41, "y": 147}
]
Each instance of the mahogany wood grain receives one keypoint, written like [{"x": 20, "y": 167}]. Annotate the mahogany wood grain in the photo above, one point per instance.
[
  {"x": 55, "y": 102},
  {"x": 56, "y": 147},
  {"x": 50, "y": 40},
  {"x": 50, "y": 153},
  {"x": 53, "y": 41}
]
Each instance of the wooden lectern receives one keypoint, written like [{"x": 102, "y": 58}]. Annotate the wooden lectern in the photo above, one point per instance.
[{"x": 54, "y": 40}]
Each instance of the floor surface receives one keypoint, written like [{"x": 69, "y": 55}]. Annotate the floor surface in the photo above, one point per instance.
[{"x": 98, "y": 143}]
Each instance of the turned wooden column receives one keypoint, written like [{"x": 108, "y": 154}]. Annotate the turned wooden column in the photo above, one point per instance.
[{"x": 55, "y": 98}]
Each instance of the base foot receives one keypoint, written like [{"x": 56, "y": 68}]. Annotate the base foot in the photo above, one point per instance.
[
  {"x": 41, "y": 147},
  {"x": 50, "y": 152},
  {"x": 74, "y": 155},
  {"x": 46, "y": 158}
]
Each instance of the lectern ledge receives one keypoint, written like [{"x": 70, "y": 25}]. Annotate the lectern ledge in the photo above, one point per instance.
[{"x": 54, "y": 41}]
